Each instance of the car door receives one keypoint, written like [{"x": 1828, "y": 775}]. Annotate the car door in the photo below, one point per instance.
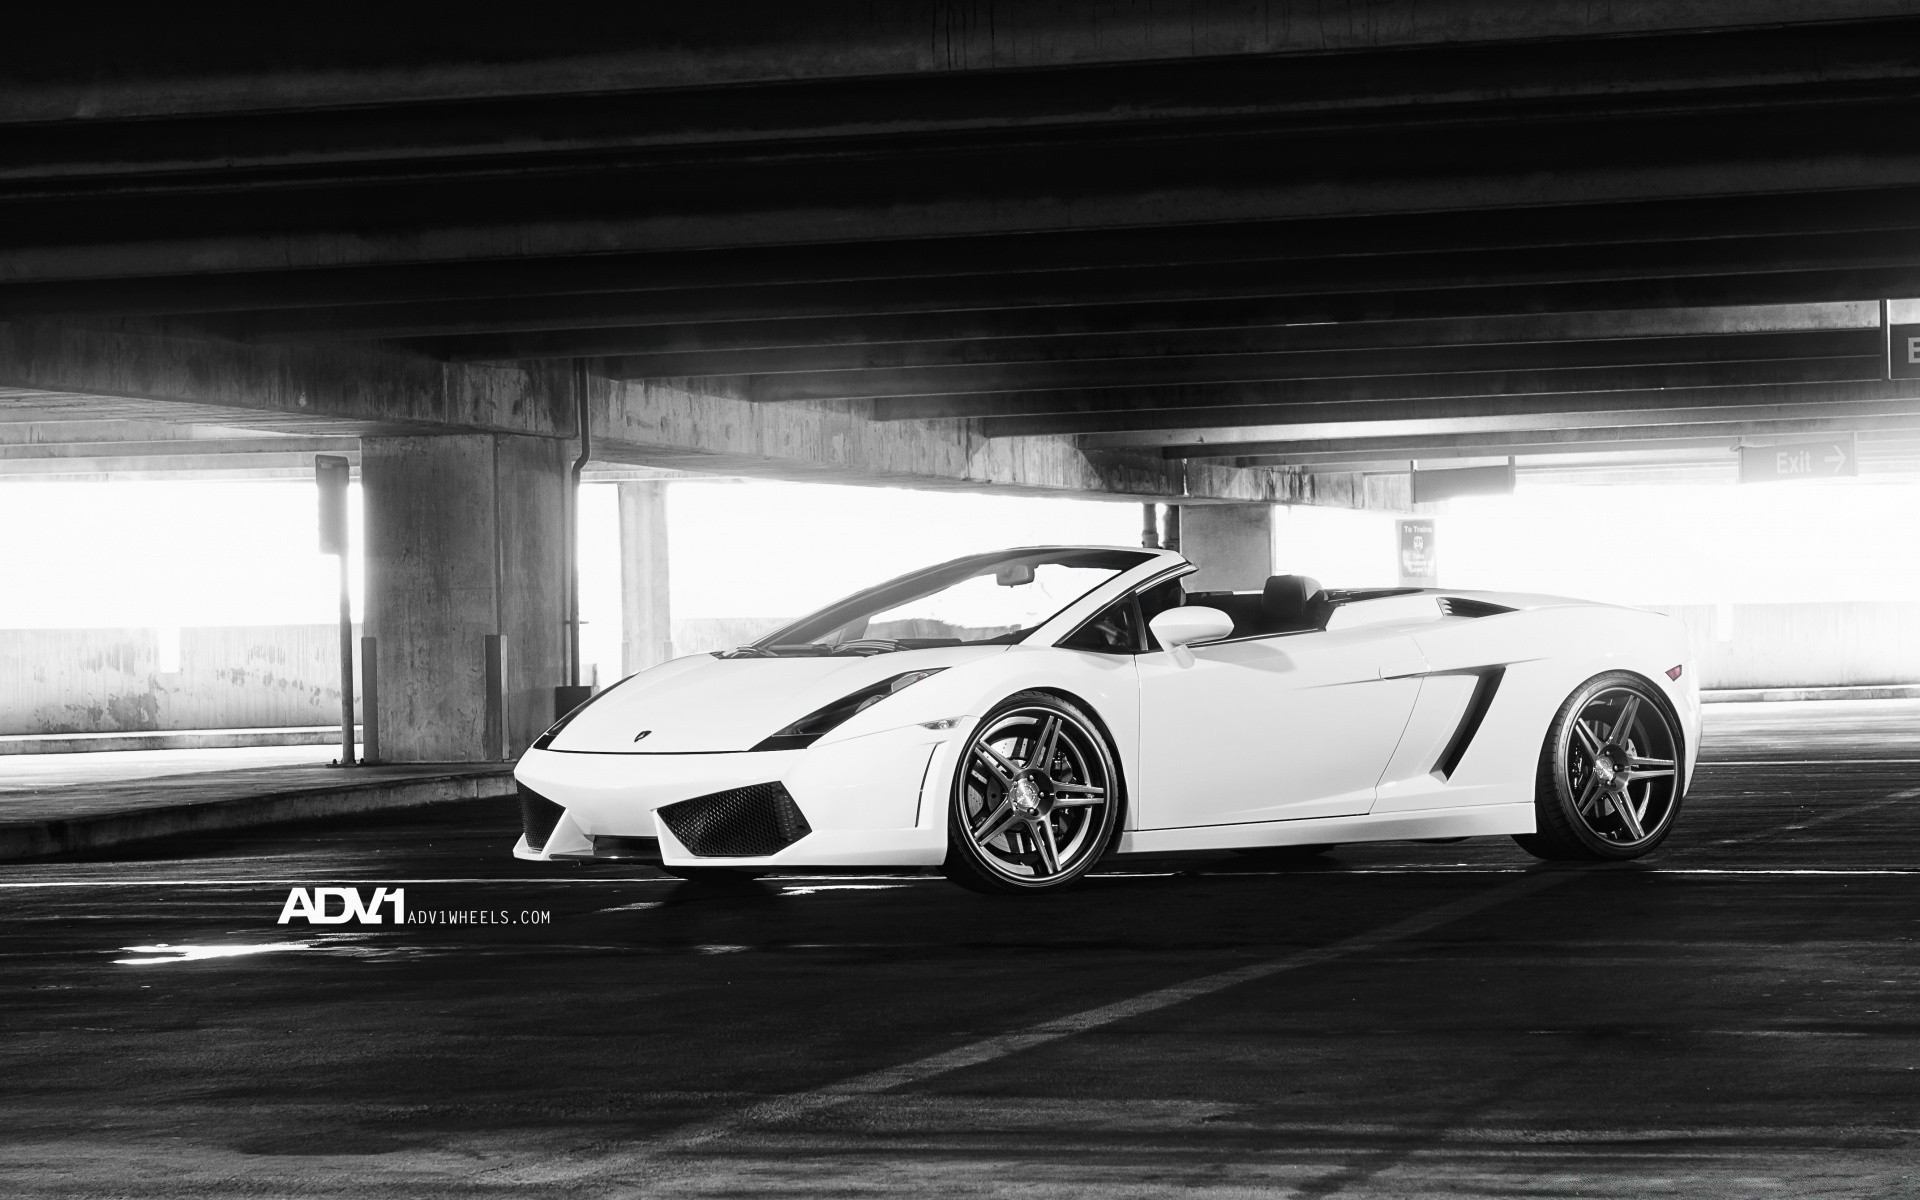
[{"x": 1272, "y": 728}]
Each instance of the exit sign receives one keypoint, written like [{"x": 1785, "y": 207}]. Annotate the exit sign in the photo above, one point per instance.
[
  {"x": 1801, "y": 460},
  {"x": 1901, "y": 320},
  {"x": 1903, "y": 352}
]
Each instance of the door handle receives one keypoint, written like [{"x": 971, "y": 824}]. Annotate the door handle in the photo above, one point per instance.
[{"x": 1404, "y": 668}]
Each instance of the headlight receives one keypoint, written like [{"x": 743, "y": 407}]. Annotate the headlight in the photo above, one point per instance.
[{"x": 812, "y": 727}]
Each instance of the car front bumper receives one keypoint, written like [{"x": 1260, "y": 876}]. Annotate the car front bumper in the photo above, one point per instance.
[{"x": 877, "y": 800}]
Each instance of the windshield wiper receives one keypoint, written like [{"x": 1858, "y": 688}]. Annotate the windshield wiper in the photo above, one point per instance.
[
  {"x": 857, "y": 648},
  {"x": 868, "y": 646},
  {"x": 778, "y": 650}
]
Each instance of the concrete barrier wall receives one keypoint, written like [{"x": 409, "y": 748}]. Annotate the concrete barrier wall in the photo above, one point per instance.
[
  {"x": 110, "y": 680},
  {"x": 1804, "y": 645}
]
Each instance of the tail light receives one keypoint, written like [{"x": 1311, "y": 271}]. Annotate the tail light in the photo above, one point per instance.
[{"x": 1674, "y": 672}]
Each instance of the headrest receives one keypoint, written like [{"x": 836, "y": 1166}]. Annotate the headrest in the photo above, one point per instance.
[{"x": 1285, "y": 599}]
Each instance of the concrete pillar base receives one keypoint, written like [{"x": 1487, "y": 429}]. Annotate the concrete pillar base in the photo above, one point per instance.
[{"x": 465, "y": 591}]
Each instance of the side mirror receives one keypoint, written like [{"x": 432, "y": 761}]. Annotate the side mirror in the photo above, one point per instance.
[{"x": 1186, "y": 625}]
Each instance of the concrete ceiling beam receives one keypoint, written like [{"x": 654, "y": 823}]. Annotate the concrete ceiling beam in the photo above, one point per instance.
[
  {"x": 365, "y": 391},
  {"x": 65, "y": 64},
  {"x": 1169, "y": 426},
  {"x": 1592, "y": 413},
  {"x": 1238, "y": 402},
  {"x": 1427, "y": 286},
  {"x": 1338, "y": 450},
  {"x": 1065, "y": 347},
  {"x": 1696, "y": 135},
  {"x": 1514, "y": 229},
  {"x": 1472, "y": 363},
  {"x": 178, "y": 448}
]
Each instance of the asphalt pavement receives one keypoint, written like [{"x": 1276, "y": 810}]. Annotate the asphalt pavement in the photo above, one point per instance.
[{"x": 1734, "y": 1016}]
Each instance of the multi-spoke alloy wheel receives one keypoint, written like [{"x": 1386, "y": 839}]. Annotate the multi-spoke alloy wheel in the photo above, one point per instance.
[
  {"x": 1609, "y": 783},
  {"x": 1035, "y": 797}
]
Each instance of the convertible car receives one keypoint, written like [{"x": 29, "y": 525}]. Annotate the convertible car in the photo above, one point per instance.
[{"x": 1016, "y": 716}]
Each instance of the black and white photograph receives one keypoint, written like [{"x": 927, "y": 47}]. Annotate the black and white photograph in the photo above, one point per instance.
[{"x": 1125, "y": 599}]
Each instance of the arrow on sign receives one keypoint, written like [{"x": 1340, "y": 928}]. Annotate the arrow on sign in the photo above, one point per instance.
[{"x": 1798, "y": 460}]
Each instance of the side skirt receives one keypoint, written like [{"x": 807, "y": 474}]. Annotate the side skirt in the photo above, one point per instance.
[{"x": 1479, "y": 821}]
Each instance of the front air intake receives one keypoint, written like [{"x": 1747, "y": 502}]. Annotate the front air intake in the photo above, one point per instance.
[
  {"x": 745, "y": 822},
  {"x": 538, "y": 816}
]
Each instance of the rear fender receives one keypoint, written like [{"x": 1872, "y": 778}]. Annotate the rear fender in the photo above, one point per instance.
[{"x": 1547, "y": 653}]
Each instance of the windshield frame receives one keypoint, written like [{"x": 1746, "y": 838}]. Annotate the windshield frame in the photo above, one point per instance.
[{"x": 928, "y": 580}]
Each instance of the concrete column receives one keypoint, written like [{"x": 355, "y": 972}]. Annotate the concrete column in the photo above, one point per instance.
[
  {"x": 1232, "y": 544},
  {"x": 465, "y": 591},
  {"x": 646, "y": 609}
]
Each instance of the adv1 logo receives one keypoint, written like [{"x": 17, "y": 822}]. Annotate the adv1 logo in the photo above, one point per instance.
[{"x": 315, "y": 906}]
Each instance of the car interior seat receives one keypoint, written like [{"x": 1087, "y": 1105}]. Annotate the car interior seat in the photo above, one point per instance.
[{"x": 1293, "y": 602}]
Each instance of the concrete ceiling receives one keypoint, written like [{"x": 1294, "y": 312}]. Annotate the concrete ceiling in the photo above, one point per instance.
[{"x": 1353, "y": 238}]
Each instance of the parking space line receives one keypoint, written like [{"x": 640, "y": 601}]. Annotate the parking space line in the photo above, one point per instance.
[
  {"x": 1825, "y": 818},
  {"x": 1002, "y": 1045},
  {"x": 1805, "y": 762},
  {"x": 299, "y": 881}
]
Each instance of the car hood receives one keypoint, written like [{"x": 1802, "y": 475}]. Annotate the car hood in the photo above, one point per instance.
[{"x": 706, "y": 705}]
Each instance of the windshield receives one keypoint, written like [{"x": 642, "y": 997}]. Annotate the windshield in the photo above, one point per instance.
[{"x": 985, "y": 599}]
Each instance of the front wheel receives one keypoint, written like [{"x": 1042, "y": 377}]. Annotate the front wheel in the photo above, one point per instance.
[
  {"x": 1036, "y": 798},
  {"x": 1609, "y": 779}
]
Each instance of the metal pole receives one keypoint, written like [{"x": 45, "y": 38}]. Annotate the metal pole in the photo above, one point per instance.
[
  {"x": 1150, "y": 526},
  {"x": 1886, "y": 335},
  {"x": 584, "y": 421},
  {"x": 346, "y": 664},
  {"x": 370, "y": 700}
]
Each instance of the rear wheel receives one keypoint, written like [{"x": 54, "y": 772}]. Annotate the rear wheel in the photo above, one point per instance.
[
  {"x": 1609, "y": 779},
  {"x": 1036, "y": 798}
]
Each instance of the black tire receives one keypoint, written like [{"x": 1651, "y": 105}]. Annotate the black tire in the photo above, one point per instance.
[
  {"x": 1285, "y": 856},
  {"x": 1036, "y": 797},
  {"x": 1608, "y": 784}
]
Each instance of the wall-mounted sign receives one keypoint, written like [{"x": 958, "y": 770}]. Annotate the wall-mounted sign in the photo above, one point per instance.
[
  {"x": 1800, "y": 460},
  {"x": 1902, "y": 321},
  {"x": 331, "y": 472},
  {"x": 1904, "y": 341},
  {"x": 1418, "y": 567}
]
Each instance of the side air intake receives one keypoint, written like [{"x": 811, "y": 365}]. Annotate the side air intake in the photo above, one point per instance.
[
  {"x": 538, "y": 816},
  {"x": 1477, "y": 706},
  {"x": 745, "y": 822},
  {"x": 1461, "y": 606}
]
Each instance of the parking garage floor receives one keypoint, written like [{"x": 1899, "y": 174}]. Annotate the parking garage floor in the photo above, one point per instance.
[{"x": 1737, "y": 1016}]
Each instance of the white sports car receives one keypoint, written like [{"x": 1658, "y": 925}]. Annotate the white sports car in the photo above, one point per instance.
[{"x": 1015, "y": 716}]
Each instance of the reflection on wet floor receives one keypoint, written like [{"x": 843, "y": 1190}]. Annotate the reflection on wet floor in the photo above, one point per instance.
[
  {"x": 164, "y": 952},
  {"x": 1735, "y": 1015}
]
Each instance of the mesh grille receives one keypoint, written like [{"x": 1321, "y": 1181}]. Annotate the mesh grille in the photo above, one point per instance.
[
  {"x": 538, "y": 816},
  {"x": 747, "y": 822}
]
